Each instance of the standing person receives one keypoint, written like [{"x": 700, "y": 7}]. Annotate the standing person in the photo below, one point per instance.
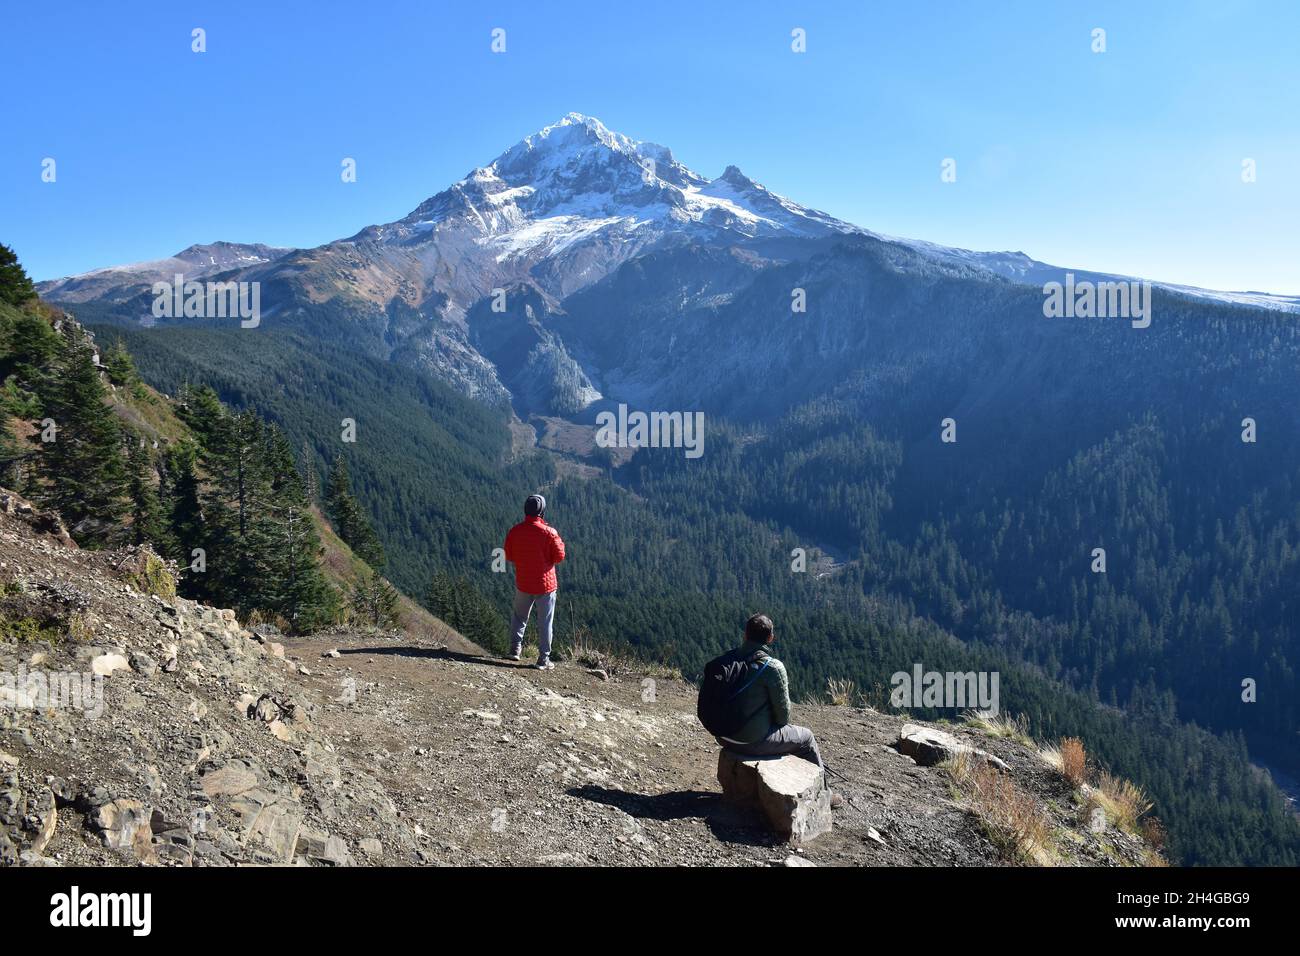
[{"x": 534, "y": 548}]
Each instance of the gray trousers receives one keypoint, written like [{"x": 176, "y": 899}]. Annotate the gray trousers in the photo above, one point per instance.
[
  {"x": 790, "y": 739},
  {"x": 524, "y": 603}
]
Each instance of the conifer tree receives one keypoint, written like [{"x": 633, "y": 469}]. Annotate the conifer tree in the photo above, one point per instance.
[
  {"x": 374, "y": 601},
  {"x": 120, "y": 366},
  {"x": 82, "y": 471},
  {"x": 148, "y": 520},
  {"x": 202, "y": 411},
  {"x": 237, "y": 509},
  {"x": 295, "y": 587},
  {"x": 311, "y": 480},
  {"x": 349, "y": 520},
  {"x": 31, "y": 348},
  {"x": 11, "y": 454},
  {"x": 15, "y": 285},
  {"x": 462, "y": 606},
  {"x": 185, "y": 513}
]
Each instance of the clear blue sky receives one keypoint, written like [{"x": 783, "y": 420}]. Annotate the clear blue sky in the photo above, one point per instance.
[{"x": 1127, "y": 161}]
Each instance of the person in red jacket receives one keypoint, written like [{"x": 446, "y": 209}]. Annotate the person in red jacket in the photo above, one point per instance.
[{"x": 534, "y": 548}]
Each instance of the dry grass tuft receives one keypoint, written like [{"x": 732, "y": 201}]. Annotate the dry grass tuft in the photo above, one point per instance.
[
  {"x": 1000, "y": 725},
  {"x": 1052, "y": 757},
  {"x": 1124, "y": 801},
  {"x": 841, "y": 693},
  {"x": 586, "y": 650},
  {"x": 1011, "y": 817},
  {"x": 1074, "y": 761},
  {"x": 1153, "y": 832}
]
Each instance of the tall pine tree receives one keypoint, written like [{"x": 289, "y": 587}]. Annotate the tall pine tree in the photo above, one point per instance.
[
  {"x": 148, "y": 519},
  {"x": 237, "y": 509},
  {"x": 185, "y": 516},
  {"x": 295, "y": 587},
  {"x": 82, "y": 472},
  {"x": 349, "y": 520}
]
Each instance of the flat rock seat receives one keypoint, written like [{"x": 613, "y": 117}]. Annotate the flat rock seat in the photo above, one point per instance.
[{"x": 789, "y": 792}]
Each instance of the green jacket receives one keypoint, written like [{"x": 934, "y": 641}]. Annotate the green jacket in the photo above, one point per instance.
[{"x": 767, "y": 698}]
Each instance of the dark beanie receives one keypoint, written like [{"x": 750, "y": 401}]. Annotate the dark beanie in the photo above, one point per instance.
[{"x": 534, "y": 506}]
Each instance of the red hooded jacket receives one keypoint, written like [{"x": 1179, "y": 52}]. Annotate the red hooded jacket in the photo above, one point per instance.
[{"x": 534, "y": 548}]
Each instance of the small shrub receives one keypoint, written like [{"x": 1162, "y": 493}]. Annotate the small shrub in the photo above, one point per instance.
[
  {"x": 583, "y": 648},
  {"x": 1123, "y": 801},
  {"x": 24, "y": 630},
  {"x": 374, "y": 602},
  {"x": 151, "y": 574},
  {"x": 1074, "y": 761},
  {"x": 841, "y": 693},
  {"x": 79, "y": 629}
]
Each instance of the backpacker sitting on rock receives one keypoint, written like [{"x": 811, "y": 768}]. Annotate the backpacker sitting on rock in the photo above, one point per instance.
[{"x": 745, "y": 701}]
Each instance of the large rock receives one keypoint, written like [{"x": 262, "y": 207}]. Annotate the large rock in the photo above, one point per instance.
[
  {"x": 42, "y": 522},
  {"x": 788, "y": 791},
  {"x": 234, "y": 778},
  {"x": 324, "y": 848},
  {"x": 106, "y": 664},
  {"x": 124, "y": 824},
  {"x": 270, "y": 819},
  {"x": 27, "y": 821},
  {"x": 42, "y": 817},
  {"x": 928, "y": 746}
]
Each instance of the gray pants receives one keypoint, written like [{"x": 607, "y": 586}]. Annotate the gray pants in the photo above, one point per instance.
[
  {"x": 545, "y": 622},
  {"x": 790, "y": 739}
]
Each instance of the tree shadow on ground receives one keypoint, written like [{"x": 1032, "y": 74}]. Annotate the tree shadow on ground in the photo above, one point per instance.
[{"x": 728, "y": 823}]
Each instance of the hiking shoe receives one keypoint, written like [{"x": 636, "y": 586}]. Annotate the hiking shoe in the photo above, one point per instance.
[
  {"x": 545, "y": 666},
  {"x": 837, "y": 800},
  {"x": 514, "y": 656}
]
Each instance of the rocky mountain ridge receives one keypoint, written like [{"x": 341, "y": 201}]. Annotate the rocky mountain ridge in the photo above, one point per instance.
[{"x": 568, "y": 212}]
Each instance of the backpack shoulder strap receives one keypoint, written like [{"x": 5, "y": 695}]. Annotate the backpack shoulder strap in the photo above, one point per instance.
[{"x": 744, "y": 687}]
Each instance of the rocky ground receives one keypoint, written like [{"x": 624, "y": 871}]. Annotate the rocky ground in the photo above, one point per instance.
[{"x": 215, "y": 744}]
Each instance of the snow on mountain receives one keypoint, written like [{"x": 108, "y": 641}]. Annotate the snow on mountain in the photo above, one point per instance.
[
  {"x": 1019, "y": 267},
  {"x": 115, "y": 283},
  {"x": 576, "y": 179},
  {"x": 560, "y": 209}
]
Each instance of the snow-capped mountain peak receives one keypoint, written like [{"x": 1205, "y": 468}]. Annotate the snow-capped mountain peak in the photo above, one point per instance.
[
  {"x": 560, "y": 209},
  {"x": 576, "y": 180}
]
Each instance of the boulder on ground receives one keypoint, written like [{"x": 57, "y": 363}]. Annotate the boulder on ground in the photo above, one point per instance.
[
  {"x": 27, "y": 820},
  {"x": 271, "y": 819},
  {"x": 323, "y": 848},
  {"x": 124, "y": 824},
  {"x": 788, "y": 791},
  {"x": 234, "y": 778},
  {"x": 106, "y": 664},
  {"x": 928, "y": 746}
]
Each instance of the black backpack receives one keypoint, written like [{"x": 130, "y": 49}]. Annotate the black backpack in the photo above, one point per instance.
[{"x": 725, "y": 679}]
